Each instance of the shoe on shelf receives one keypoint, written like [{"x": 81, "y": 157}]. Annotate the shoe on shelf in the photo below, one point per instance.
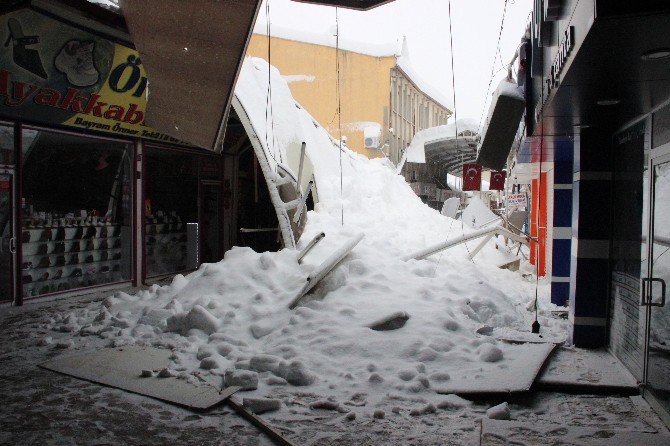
[
  {"x": 58, "y": 274},
  {"x": 26, "y": 236},
  {"x": 44, "y": 262},
  {"x": 27, "y": 265},
  {"x": 42, "y": 249},
  {"x": 75, "y": 246},
  {"x": 27, "y": 278},
  {"x": 44, "y": 276},
  {"x": 59, "y": 248},
  {"x": 76, "y": 272},
  {"x": 74, "y": 260},
  {"x": 60, "y": 234},
  {"x": 60, "y": 261}
]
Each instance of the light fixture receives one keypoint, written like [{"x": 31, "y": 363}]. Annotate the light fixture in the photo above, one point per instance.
[
  {"x": 657, "y": 54},
  {"x": 608, "y": 102}
]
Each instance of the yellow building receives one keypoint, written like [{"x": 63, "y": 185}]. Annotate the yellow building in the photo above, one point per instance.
[{"x": 383, "y": 103}]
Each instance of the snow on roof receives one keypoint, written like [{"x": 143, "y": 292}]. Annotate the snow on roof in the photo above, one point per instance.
[
  {"x": 327, "y": 38},
  {"x": 416, "y": 152},
  {"x": 404, "y": 63}
]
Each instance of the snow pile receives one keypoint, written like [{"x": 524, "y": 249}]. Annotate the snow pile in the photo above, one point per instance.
[{"x": 230, "y": 320}]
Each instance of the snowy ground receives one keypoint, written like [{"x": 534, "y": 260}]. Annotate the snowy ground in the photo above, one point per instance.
[{"x": 42, "y": 407}]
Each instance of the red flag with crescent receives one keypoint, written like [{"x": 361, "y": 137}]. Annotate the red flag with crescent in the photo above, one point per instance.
[
  {"x": 472, "y": 176},
  {"x": 497, "y": 180}
]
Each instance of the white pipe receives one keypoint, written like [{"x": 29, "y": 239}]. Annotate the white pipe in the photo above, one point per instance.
[
  {"x": 302, "y": 160},
  {"x": 301, "y": 206},
  {"x": 422, "y": 254},
  {"x": 310, "y": 245},
  {"x": 480, "y": 246},
  {"x": 325, "y": 267}
]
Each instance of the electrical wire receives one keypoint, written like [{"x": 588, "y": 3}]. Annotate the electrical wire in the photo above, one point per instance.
[
  {"x": 493, "y": 66},
  {"x": 339, "y": 106},
  {"x": 269, "y": 111},
  {"x": 453, "y": 90}
]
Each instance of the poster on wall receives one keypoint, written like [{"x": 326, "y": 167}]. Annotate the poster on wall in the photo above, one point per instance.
[
  {"x": 516, "y": 201},
  {"x": 53, "y": 73}
]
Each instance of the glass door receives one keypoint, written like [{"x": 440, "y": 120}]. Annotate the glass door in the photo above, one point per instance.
[
  {"x": 7, "y": 236},
  {"x": 654, "y": 294}
]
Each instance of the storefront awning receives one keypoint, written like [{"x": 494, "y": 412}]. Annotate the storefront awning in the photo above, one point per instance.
[{"x": 192, "y": 52}]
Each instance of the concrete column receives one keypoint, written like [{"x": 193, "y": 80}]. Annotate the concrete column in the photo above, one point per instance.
[
  {"x": 562, "y": 221},
  {"x": 589, "y": 269}
]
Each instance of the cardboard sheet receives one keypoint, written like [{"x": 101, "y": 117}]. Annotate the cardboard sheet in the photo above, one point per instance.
[
  {"x": 121, "y": 368},
  {"x": 516, "y": 373},
  {"x": 586, "y": 368}
]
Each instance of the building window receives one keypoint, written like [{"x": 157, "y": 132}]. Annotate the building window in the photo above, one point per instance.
[
  {"x": 77, "y": 212},
  {"x": 6, "y": 144}
]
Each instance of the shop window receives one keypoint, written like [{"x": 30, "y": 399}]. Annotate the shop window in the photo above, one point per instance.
[
  {"x": 77, "y": 212},
  {"x": 171, "y": 212},
  {"x": 6, "y": 144}
]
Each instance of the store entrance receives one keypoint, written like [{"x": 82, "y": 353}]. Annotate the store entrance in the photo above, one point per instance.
[
  {"x": 657, "y": 387},
  {"x": 7, "y": 236}
]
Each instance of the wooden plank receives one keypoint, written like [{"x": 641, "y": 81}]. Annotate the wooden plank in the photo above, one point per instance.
[{"x": 258, "y": 422}]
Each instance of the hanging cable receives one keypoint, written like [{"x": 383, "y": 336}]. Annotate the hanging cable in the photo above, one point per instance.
[
  {"x": 453, "y": 90},
  {"x": 269, "y": 112},
  {"x": 339, "y": 106},
  {"x": 493, "y": 66}
]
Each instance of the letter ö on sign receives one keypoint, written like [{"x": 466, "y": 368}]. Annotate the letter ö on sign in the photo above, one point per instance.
[{"x": 133, "y": 63}]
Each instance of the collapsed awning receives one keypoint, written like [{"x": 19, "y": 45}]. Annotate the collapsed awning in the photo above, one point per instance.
[
  {"x": 192, "y": 52},
  {"x": 501, "y": 127}
]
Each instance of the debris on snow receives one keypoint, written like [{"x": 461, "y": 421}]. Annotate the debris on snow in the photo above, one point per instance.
[
  {"x": 499, "y": 412},
  {"x": 393, "y": 321},
  {"x": 261, "y": 405},
  {"x": 244, "y": 379}
]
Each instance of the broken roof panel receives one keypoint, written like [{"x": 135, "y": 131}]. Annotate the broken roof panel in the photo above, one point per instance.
[{"x": 192, "y": 52}]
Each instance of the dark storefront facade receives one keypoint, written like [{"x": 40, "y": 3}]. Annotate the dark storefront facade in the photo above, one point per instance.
[
  {"x": 90, "y": 197},
  {"x": 598, "y": 118}
]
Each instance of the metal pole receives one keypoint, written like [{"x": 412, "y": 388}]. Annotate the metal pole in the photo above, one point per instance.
[
  {"x": 310, "y": 245},
  {"x": 302, "y": 160},
  {"x": 422, "y": 254}
]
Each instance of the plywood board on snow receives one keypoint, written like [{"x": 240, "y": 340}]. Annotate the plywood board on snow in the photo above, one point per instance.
[
  {"x": 515, "y": 372},
  {"x": 498, "y": 432},
  {"x": 121, "y": 368},
  {"x": 574, "y": 367}
]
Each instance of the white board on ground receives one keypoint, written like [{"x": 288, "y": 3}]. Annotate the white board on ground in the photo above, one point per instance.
[
  {"x": 450, "y": 207},
  {"x": 498, "y": 432},
  {"x": 522, "y": 363},
  {"x": 586, "y": 368},
  {"x": 121, "y": 368},
  {"x": 507, "y": 334}
]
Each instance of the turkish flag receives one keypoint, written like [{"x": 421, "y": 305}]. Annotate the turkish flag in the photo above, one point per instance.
[
  {"x": 472, "y": 176},
  {"x": 497, "y": 180}
]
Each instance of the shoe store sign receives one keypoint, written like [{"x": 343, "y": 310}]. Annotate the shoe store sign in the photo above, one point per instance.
[{"x": 54, "y": 73}]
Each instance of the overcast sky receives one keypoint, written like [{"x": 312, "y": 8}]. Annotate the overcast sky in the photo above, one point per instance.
[{"x": 476, "y": 24}]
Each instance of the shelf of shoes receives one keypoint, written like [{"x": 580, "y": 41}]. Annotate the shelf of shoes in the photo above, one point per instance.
[
  {"x": 166, "y": 245},
  {"x": 60, "y": 258}
]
